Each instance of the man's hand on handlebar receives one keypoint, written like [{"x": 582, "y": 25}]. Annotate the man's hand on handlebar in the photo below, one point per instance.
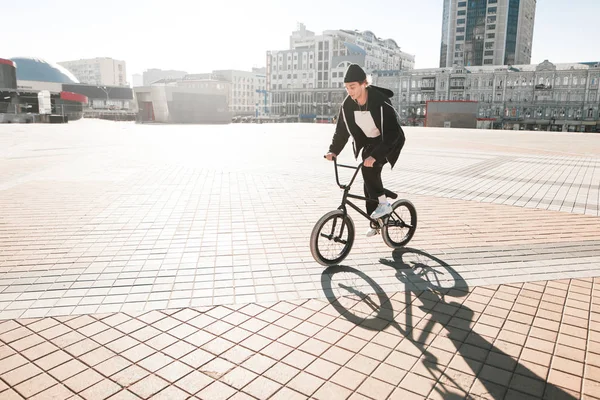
[
  {"x": 369, "y": 161},
  {"x": 330, "y": 156}
]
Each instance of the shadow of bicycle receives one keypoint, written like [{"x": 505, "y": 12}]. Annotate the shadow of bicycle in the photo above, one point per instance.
[{"x": 431, "y": 290}]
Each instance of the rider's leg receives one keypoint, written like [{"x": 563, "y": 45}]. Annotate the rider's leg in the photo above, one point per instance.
[
  {"x": 373, "y": 186},
  {"x": 375, "y": 190}
]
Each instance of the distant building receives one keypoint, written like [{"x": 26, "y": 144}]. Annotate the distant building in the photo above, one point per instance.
[
  {"x": 98, "y": 71},
  {"x": 187, "y": 100},
  {"x": 306, "y": 81},
  {"x": 247, "y": 93},
  {"x": 545, "y": 96},
  {"x": 487, "y": 32},
  {"x": 152, "y": 75},
  {"x": 32, "y": 90}
]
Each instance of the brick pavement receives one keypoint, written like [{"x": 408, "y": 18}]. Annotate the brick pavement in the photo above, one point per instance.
[{"x": 171, "y": 261}]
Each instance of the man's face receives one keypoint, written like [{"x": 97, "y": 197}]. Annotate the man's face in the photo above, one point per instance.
[{"x": 355, "y": 89}]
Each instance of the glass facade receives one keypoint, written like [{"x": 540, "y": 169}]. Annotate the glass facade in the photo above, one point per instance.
[
  {"x": 445, "y": 22},
  {"x": 475, "y": 32},
  {"x": 35, "y": 69},
  {"x": 511, "y": 32}
]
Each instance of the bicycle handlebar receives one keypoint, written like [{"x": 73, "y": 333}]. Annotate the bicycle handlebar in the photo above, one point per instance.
[{"x": 335, "y": 166}]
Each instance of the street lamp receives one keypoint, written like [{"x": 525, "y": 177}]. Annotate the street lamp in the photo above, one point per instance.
[{"x": 105, "y": 90}]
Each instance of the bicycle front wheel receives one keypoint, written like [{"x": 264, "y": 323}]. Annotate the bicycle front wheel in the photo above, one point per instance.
[
  {"x": 332, "y": 238},
  {"x": 400, "y": 225}
]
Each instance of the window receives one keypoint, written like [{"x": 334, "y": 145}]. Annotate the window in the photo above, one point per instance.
[
  {"x": 491, "y": 35},
  {"x": 460, "y": 21},
  {"x": 491, "y": 26},
  {"x": 491, "y": 19},
  {"x": 462, "y": 4},
  {"x": 492, "y": 10},
  {"x": 461, "y": 37},
  {"x": 489, "y": 45},
  {"x": 488, "y": 62},
  {"x": 458, "y": 47},
  {"x": 461, "y": 12},
  {"x": 566, "y": 80},
  {"x": 460, "y": 29}
]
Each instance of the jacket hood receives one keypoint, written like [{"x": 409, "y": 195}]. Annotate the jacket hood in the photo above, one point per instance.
[{"x": 386, "y": 92}]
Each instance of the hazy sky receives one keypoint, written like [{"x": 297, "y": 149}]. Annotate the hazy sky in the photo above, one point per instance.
[{"x": 200, "y": 36}]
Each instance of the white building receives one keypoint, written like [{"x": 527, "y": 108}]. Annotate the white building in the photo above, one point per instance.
[
  {"x": 487, "y": 32},
  {"x": 306, "y": 81},
  {"x": 98, "y": 71},
  {"x": 248, "y": 94},
  {"x": 320, "y": 61}
]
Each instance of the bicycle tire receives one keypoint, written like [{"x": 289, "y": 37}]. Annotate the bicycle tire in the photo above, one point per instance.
[
  {"x": 394, "y": 220},
  {"x": 339, "y": 219}
]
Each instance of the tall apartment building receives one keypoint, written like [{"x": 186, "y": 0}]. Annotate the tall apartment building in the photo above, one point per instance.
[
  {"x": 319, "y": 61},
  {"x": 487, "y": 32},
  {"x": 248, "y": 95},
  {"x": 98, "y": 71},
  {"x": 307, "y": 80}
]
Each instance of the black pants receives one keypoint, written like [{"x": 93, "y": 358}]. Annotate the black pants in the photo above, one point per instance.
[{"x": 373, "y": 185}]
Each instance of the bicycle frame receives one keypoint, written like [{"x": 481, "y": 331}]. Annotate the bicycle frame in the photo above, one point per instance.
[{"x": 347, "y": 193}]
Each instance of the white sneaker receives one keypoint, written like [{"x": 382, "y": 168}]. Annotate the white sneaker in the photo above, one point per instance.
[
  {"x": 372, "y": 232},
  {"x": 382, "y": 210}
]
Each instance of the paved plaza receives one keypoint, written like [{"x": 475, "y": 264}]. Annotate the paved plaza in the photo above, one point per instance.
[{"x": 168, "y": 261}]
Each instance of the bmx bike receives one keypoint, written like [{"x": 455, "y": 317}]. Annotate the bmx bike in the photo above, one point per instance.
[{"x": 333, "y": 235}]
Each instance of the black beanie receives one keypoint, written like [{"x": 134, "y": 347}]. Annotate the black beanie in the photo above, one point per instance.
[{"x": 355, "y": 74}]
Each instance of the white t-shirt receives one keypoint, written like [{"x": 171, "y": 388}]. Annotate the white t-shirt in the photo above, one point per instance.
[{"x": 365, "y": 121}]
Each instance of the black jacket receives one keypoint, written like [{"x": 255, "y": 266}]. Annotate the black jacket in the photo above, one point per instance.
[{"x": 389, "y": 143}]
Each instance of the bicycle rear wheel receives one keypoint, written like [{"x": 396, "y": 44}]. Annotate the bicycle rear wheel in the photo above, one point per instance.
[
  {"x": 332, "y": 238},
  {"x": 401, "y": 224}
]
